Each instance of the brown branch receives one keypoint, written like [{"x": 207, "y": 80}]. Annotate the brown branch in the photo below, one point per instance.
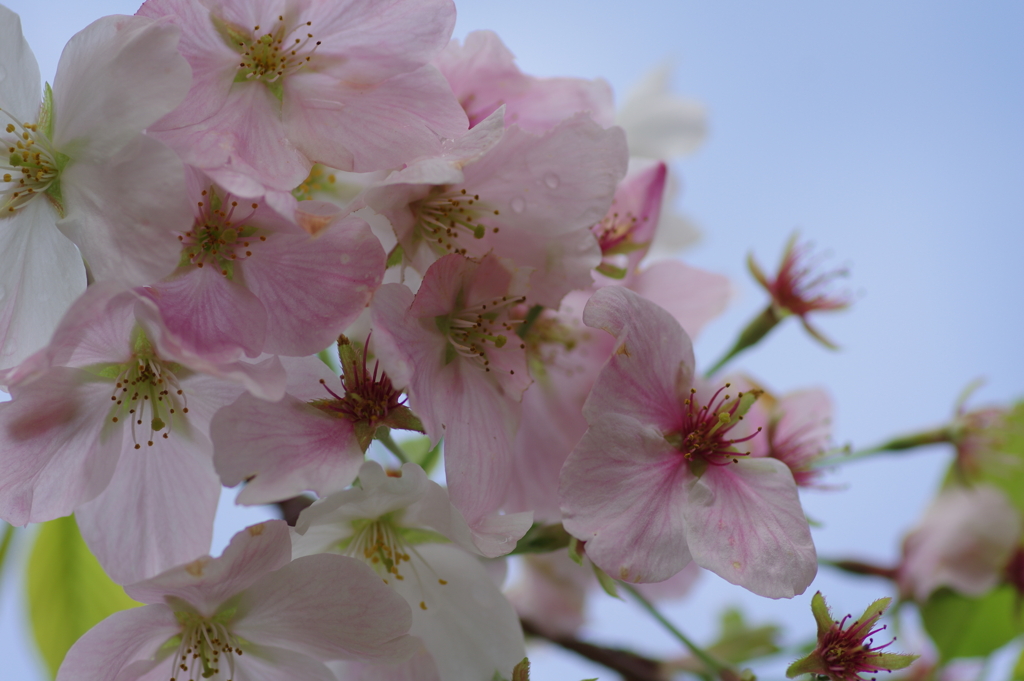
[{"x": 631, "y": 666}]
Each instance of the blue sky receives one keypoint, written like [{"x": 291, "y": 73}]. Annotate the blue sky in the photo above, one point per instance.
[{"x": 891, "y": 135}]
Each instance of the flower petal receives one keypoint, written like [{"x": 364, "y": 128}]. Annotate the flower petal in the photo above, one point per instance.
[
  {"x": 744, "y": 522},
  {"x": 131, "y": 637}
]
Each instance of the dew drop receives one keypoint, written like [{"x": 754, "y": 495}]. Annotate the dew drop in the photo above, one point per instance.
[
  {"x": 551, "y": 180},
  {"x": 518, "y": 204}
]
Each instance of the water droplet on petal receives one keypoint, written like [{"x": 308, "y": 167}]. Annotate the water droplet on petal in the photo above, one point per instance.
[
  {"x": 518, "y": 204},
  {"x": 551, "y": 180}
]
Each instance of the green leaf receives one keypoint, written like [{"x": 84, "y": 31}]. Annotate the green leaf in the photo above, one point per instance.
[
  {"x": 971, "y": 627},
  {"x": 68, "y": 591},
  {"x": 1018, "y": 669},
  {"x": 576, "y": 550},
  {"x": 543, "y": 539}
]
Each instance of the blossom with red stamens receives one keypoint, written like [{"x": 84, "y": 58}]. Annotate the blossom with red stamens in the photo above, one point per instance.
[
  {"x": 800, "y": 287},
  {"x": 845, "y": 654},
  {"x": 661, "y": 475}
]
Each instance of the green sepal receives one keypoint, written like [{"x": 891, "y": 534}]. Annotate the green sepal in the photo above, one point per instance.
[
  {"x": 68, "y": 591},
  {"x": 403, "y": 418},
  {"x": 626, "y": 247},
  {"x": 576, "y": 550},
  {"x": 521, "y": 672},
  {"x": 611, "y": 271},
  {"x": 822, "y": 614},
  {"x": 606, "y": 582},
  {"x": 364, "y": 433},
  {"x": 350, "y": 357},
  {"x": 395, "y": 257},
  {"x": 543, "y": 539}
]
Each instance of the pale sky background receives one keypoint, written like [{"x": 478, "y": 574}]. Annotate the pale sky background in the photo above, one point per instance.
[{"x": 888, "y": 133}]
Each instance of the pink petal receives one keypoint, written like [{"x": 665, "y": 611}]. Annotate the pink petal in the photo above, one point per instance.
[
  {"x": 130, "y": 638},
  {"x": 157, "y": 511},
  {"x": 207, "y": 582},
  {"x": 651, "y": 367},
  {"x": 54, "y": 454},
  {"x": 211, "y": 314},
  {"x": 744, "y": 522},
  {"x": 327, "y": 606},
  {"x": 623, "y": 492},
  {"x": 357, "y": 127},
  {"x": 282, "y": 449},
  {"x": 692, "y": 296},
  {"x": 344, "y": 265}
]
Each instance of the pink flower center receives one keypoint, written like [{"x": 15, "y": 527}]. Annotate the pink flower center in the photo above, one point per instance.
[
  {"x": 30, "y": 168},
  {"x": 369, "y": 397},
  {"x": 847, "y": 653},
  {"x": 614, "y": 231},
  {"x": 443, "y": 218},
  {"x": 705, "y": 433},
  {"x": 218, "y": 237}
]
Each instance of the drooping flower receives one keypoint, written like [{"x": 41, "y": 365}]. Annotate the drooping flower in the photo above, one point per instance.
[
  {"x": 800, "y": 287},
  {"x": 660, "y": 476},
  {"x": 111, "y": 421},
  {"x": 454, "y": 349},
  {"x": 845, "y": 652},
  {"x": 78, "y": 167},
  {"x": 964, "y": 541},
  {"x": 312, "y": 439},
  {"x": 251, "y": 613},
  {"x": 279, "y": 86},
  {"x": 400, "y": 525}
]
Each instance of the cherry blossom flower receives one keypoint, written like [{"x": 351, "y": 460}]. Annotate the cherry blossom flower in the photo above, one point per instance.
[
  {"x": 251, "y": 613},
  {"x": 280, "y": 85},
  {"x": 483, "y": 75},
  {"x": 843, "y": 654},
  {"x": 800, "y": 288},
  {"x": 531, "y": 199},
  {"x": 454, "y": 348},
  {"x": 245, "y": 276},
  {"x": 799, "y": 430},
  {"x": 110, "y": 421},
  {"x": 400, "y": 526},
  {"x": 312, "y": 439},
  {"x": 658, "y": 125},
  {"x": 964, "y": 541},
  {"x": 79, "y": 168},
  {"x": 659, "y": 478}
]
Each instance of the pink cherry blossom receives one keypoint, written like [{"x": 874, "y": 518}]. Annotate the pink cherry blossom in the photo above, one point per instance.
[
  {"x": 658, "y": 477},
  {"x": 281, "y": 84},
  {"x": 530, "y": 199},
  {"x": 799, "y": 432},
  {"x": 964, "y": 541},
  {"x": 483, "y": 75},
  {"x": 110, "y": 421},
  {"x": 251, "y": 613},
  {"x": 454, "y": 346},
  {"x": 246, "y": 274}
]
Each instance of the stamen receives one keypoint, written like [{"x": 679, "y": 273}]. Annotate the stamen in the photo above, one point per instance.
[{"x": 31, "y": 162}]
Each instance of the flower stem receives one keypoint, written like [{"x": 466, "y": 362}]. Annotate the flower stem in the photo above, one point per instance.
[
  {"x": 757, "y": 329},
  {"x": 897, "y": 444},
  {"x": 5, "y": 543},
  {"x": 710, "y": 662},
  {"x": 384, "y": 437}
]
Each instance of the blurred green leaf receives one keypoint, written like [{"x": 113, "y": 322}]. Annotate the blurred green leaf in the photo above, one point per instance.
[
  {"x": 68, "y": 591},
  {"x": 1004, "y": 465},
  {"x": 543, "y": 539},
  {"x": 971, "y": 627},
  {"x": 418, "y": 450}
]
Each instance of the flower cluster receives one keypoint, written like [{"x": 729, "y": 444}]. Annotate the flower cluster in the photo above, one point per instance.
[{"x": 254, "y": 191}]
